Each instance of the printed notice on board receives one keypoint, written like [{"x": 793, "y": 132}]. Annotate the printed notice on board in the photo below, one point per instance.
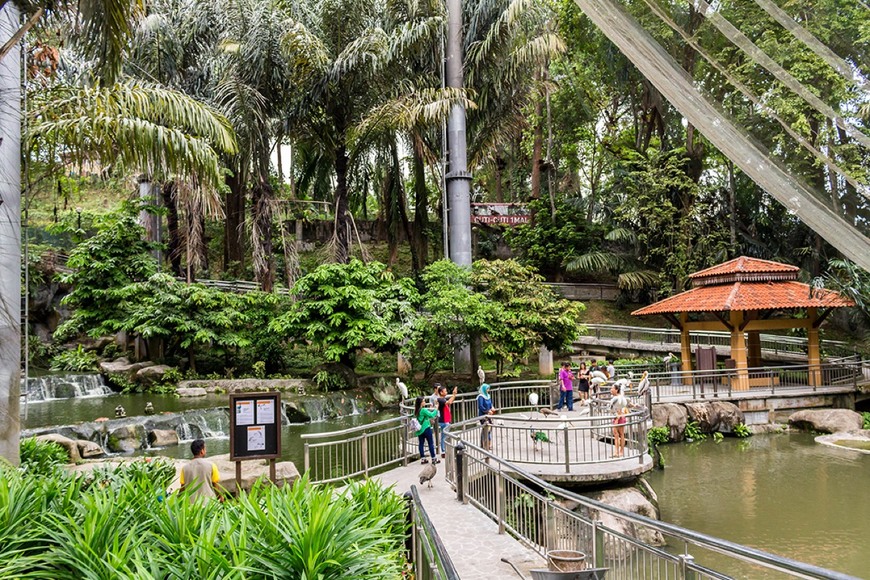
[
  {"x": 266, "y": 411},
  {"x": 244, "y": 412},
  {"x": 256, "y": 438}
]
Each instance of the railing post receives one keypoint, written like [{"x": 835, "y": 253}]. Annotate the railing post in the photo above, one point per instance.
[
  {"x": 307, "y": 458},
  {"x": 404, "y": 437},
  {"x": 550, "y": 527},
  {"x": 597, "y": 544},
  {"x": 500, "y": 502},
  {"x": 567, "y": 448},
  {"x": 364, "y": 443},
  {"x": 686, "y": 573},
  {"x": 459, "y": 466}
]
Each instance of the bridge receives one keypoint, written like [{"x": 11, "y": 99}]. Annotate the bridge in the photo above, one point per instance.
[{"x": 498, "y": 513}]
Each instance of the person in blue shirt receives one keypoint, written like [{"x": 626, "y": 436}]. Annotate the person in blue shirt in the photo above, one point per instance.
[{"x": 485, "y": 411}]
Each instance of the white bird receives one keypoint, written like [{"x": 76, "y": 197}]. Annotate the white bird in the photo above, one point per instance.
[
  {"x": 533, "y": 399},
  {"x": 598, "y": 375},
  {"x": 643, "y": 386},
  {"x": 668, "y": 358},
  {"x": 481, "y": 374},
  {"x": 427, "y": 474},
  {"x": 403, "y": 388}
]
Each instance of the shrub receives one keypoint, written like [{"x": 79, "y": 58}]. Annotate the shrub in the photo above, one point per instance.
[
  {"x": 866, "y": 420},
  {"x": 78, "y": 360},
  {"x": 658, "y": 436},
  {"x": 694, "y": 432},
  {"x": 742, "y": 430},
  {"x": 41, "y": 457}
]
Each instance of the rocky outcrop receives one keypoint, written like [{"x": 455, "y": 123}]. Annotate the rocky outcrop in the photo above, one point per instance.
[
  {"x": 162, "y": 437},
  {"x": 715, "y": 416},
  {"x": 89, "y": 449},
  {"x": 151, "y": 375},
  {"x": 249, "y": 385},
  {"x": 673, "y": 416},
  {"x": 826, "y": 420},
  {"x": 123, "y": 367},
  {"x": 190, "y": 391},
  {"x": 628, "y": 499},
  {"x": 72, "y": 449},
  {"x": 126, "y": 439}
]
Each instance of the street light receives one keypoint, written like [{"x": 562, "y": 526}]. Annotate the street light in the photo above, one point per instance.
[{"x": 78, "y": 218}]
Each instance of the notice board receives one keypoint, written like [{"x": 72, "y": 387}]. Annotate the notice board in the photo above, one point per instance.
[{"x": 255, "y": 426}]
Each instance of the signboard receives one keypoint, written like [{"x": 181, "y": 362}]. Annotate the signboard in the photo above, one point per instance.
[
  {"x": 255, "y": 426},
  {"x": 500, "y": 213}
]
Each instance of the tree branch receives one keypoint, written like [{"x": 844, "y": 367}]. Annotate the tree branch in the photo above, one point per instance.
[{"x": 21, "y": 31}]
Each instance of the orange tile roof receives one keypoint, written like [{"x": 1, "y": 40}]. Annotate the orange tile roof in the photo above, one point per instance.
[
  {"x": 744, "y": 264},
  {"x": 747, "y": 296}
]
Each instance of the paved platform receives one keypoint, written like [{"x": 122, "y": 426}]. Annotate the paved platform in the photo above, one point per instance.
[{"x": 471, "y": 538}]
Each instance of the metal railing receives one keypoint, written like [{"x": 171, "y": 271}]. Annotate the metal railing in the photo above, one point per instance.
[
  {"x": 340, "y": 455},
  {"x": 774, "y": 343},
  {"x": 630, "y": 546},
  {"x": 428, "y": 554}
]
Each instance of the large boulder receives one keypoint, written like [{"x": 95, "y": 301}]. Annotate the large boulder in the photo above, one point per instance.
[
  {"x": 629, "y": 499},
  {"x": 715, "y": 416},
  {"x": 253, "y": 470},
  {"x": 89, "y": 449},
  {"x": 249, "y": 385},
  {"x": 191, "y": 391},
  {"x": 162, "y": 437},
  {"x": 151, "y": 375},
  {"x": 72, "y": 449},
  {"x": 126, "y": 439},
  {"x": 123, "y": 367},
  {"x": 827, "y": 420},
  {"x": 673, "y": 416}
]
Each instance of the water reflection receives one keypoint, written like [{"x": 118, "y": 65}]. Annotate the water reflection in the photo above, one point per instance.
[{"x": 783, "y": 493}]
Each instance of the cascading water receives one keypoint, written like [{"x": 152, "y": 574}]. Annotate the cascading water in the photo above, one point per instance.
[
  {"x": 52, "y": 387},
  {"x": 206, "y": 424}
]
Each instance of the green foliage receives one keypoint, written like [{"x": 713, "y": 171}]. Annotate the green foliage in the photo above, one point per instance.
[
  {"x": 344, "y": 307},
  {"x": 122, "y": 383},
  {"x": 40, "y": 458},
  {"x": 658, "y": 436},
  {"x": 378, "y": 362},
  {"x": 259, "y": 370},
  {"x": 743, "y": 431},
  {"x": 77, "y": 360},
  {"x": 694, "y": 432},
  {"x": 718, "y": 437},
  {"x": 329, "y": 381},
  {"x": 117, "y": 522},
  {"x": 866, "y": 416}
]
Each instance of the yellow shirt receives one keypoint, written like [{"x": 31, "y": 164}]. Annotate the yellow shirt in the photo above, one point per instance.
[{"x": 198, "y": 470}]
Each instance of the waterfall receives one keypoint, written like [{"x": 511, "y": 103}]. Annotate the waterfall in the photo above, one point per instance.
[
  {"x": 68, "y": 386},
  {"x": 203, "y": 424}
]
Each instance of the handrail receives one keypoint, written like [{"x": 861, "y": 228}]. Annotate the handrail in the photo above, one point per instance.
[
  {"x": 349, "y": 430},
  {"x": 546, "y": 493},
  {"x": 429, "y": 555}
]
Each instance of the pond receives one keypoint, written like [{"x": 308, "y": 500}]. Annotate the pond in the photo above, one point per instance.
[{"x": 782, "y": 493}]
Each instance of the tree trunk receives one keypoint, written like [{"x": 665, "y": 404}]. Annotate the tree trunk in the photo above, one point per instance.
[
  {"x": 500, "y": 165},
  {"x": 342, "y": 222},
  {"x": 261, "y": 217},
  {"x": 234, "y": 241},
  {"x": 10, "y": 241},
  {"x": 421, "y": 205},
  {"x": 403, "y": 204},
  {"x": 173, "y": 234},
  {"x": 537, "y": 147}
]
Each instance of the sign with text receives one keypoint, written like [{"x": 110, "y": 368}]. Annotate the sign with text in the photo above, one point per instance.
[
  {"x": 255, "y": 426},
  {"x": 500, "y": 213}
]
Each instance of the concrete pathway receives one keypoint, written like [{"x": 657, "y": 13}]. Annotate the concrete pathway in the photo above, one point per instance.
[{"x": 471, "y": 538}]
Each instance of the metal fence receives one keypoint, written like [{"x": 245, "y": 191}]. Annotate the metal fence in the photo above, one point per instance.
[
  {"x": 628, "y": 545},
  {"x": 430, "y": 558},
  {"x": 774, "y": 343}
]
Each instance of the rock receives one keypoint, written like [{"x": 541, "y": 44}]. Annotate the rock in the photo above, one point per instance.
[
  {"x": 249, "y": 385},
  {"x": 191, "y": 392},
  {"x": 672, "y": 416},
  {"x": 88, "y": 449},
  {"x": 162, "y": 437},
  {"x": 385, "y": 392},
  {"x": 285, "y": 472},
  {"x": 715, "y": 416},
  {"x": 729, "y": 416},
  {"x": 294, "y": 413},
  {"x": 123, "y": 367},
  {"x": 126, "y": 439},
  {"x": 628, "y": 499},
  {"x": 827, "y": 420},
  {"x": 151, "y": 375},
  {"x": 72, "y": 449}
]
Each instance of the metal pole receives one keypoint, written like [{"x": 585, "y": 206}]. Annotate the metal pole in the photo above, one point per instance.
[{"x": 459, "y": 465}]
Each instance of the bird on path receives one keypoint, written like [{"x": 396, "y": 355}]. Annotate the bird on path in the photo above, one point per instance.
[
  {"x": 403, "y": 388},
  {"x": 427, "y": 474},
  {"x": 539, "y": 436},
  {"x": 481, "y": 374},
  {"x": 547, "y": 412}
]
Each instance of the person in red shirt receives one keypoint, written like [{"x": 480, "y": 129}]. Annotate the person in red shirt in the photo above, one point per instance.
[{"x": 444, "y": 416}]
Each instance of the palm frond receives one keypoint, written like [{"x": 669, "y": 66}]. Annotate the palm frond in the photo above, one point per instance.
[
  {"x": 595, "y": 262},
  {"x": 620, "y": 235},
  {"x": 638, "y": 280}
]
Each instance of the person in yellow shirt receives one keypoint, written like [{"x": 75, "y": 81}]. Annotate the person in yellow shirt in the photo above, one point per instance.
[{"x": 200, "y": 476}]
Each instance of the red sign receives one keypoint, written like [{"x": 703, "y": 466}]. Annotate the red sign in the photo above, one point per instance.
[
  {"x": 500, "y": 213},
  {"x": 500, "y": 219}
]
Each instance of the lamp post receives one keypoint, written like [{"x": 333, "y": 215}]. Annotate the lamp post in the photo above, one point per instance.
[{"x": 78, "y": 218}]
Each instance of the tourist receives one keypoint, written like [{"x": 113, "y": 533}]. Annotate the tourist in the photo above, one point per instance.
[
  {"x": 424, "y": 415},
  {"x": 583, "y": 382},
  {"x": 566, "y": 387},
  {"x": 485, "y": 411},
  {"x": 619, "y": 407},
  {"x": 444, "y": 416},
  {"x": 200, "y": 476},
  {"x": 611, "y": 370}
]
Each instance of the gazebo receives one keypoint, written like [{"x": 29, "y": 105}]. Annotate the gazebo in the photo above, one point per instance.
[{"x": 743, "y": 295}]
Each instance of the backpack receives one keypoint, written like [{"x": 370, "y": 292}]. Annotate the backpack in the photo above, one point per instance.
[{"x": 415, "y": 424}]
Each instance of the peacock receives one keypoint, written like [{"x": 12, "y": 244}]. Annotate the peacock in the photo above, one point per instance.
[
  {"x": 538, "y": 436},
  {"x": 427, "y": 474}
]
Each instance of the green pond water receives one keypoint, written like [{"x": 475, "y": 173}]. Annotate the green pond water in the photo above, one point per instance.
[{"x": 783, "y": 493}]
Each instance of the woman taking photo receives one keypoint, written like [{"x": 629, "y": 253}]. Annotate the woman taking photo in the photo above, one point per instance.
[{"x": 424, "y": 416}]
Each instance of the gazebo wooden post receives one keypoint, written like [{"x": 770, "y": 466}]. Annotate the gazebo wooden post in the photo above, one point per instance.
[
  {"x": 685, "y": 349},
  {"x": 814, "y": 355},
  {"x": 738, "y": 351}
]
